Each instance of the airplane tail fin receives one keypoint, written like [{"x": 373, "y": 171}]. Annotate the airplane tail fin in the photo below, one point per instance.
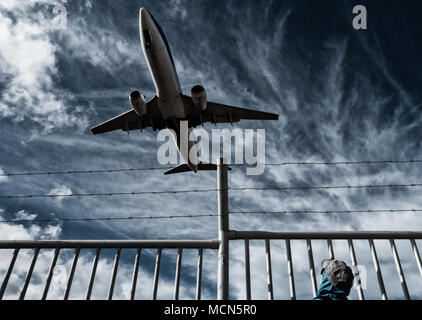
[{"x": 202, "y": 166}]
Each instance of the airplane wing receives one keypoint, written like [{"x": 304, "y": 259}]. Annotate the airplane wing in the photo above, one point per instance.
[
  {"x": 131, "y": 121},
  {"x": 221, "y": 113}
]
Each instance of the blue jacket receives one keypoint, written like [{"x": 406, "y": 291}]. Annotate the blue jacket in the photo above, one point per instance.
[{"x": 327, "y": 291}]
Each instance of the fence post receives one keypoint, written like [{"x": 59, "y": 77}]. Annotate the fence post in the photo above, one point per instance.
[{"x": 223, "y": 229}]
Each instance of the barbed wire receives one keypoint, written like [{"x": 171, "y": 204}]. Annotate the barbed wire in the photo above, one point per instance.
[
  {"x": 327, "y": 211},
  {"x": 105, "y": 194},
  {"x": 338, "y": 163},
  {"x": 11, "y": 174},
  {"x": 81, "y": 171},
  {"x": 106, "y": 218},
  {"x": 329, "y": 187},
  {"x": 210, "y": 190},
  {"x": 26, "y": 221}
]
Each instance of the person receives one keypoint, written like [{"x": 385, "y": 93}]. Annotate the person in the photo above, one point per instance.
[{"x": 337, "y": 280}]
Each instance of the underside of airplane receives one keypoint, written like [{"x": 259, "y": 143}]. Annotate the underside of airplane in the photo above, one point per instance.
[{"x": 170, "y": 106}]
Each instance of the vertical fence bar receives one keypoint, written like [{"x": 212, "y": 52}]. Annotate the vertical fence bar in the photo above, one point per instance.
[
  {"x": 269, "y": 270},
  {"x": 177, "y": 275},
  {"x": 290, "y": 270},
  {"x": 50, "y": 273},
  {"x": 415, "y": 252},
  {"x": 8, "y": 273},
  {"x": 330, "y": 249},
  {"x": 156, "y": 274},
  {"x": 135, "y": 274},
  {"x": 72, "y": 273},
  {"x": 223, "y": 229},
  {"x": 311, "y": 267},
  {"x": 28, "y": 276},
  {"x": 93, "y": 271},
  {"x": 355, "y": 269},
  {"x": 399, "y": 269},
  {"x": 199, "y": 275},
  {"x": 377, "y": 269},
  {"x": 247, "y": 270},
  {"x": 113, "y": 276}
]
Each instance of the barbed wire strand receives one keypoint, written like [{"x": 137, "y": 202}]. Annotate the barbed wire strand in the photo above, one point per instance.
[
  {"x": 211, "y": 190},
  {"x": 327, "y": 211},
  {"x": 81, "y": 171},
  {"x": 106, "y": 218},
  {"x": 206, "y": 215},
  {"x": 338, "y": 163},
  {"x": 328, "y": 187},
  {"x": 105, "y": 194},
  {"x": 234, "y": 165}
]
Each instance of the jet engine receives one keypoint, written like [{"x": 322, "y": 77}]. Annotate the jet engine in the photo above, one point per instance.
[
  {"x": 199, "y": 97},
  {"x": 137, "y": 100}
]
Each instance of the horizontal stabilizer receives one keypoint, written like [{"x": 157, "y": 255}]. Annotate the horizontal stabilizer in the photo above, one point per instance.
[
  {"x": 179, "y": 169},
  {"x": 202, "y": 166}
]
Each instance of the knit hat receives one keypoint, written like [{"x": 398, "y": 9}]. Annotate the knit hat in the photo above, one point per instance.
[{"x": 338, "y": 273}]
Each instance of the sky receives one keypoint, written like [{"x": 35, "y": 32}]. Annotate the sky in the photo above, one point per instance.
[{"x": 341, "y": 94}]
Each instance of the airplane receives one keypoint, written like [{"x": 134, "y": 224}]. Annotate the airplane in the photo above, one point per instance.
[{"x": 170, "y": 106}]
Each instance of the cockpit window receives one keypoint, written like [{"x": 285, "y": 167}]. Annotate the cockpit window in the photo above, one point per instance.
[{"x": 147, "y": 39}]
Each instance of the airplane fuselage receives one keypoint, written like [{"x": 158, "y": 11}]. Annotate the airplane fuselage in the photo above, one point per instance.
[
  {"x": 161, "y": 66},
  {"x": 163, "y": 71}
]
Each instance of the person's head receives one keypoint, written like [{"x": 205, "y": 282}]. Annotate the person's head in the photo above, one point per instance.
[
  {"x": 338, "y": 273},
  {"x": 337, "y": 280}
]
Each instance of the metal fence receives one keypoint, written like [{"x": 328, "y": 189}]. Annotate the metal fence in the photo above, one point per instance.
[
  {"x": 222, "y": 245},
  {"x": 329, "y": 237},
  {"x": 178, "y": 245}
]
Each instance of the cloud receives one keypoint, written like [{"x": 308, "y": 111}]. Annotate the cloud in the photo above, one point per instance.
[
  {"x": 23, "y": 215},
  {"x": 14, "y": 231},
  {"x": 88, "y": 47},
  {"x": 178, "y": 9},
  {"x": 19, "y": 4},
  {"x": 2, "y": 177},
  {"x": 59, "y": 190},
  {"x": 29, "y": 69}
]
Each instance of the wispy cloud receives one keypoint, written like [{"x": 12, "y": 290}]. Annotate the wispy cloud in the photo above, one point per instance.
[
  {"x": 58, "y": 191},
  {"x": 28, "y": 62},
  {"x": 2, "y": 177}
]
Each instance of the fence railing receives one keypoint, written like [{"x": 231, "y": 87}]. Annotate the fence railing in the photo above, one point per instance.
[
  {"x": 99, "y": 245},
  {"x": 329, "y": 236},
  {"x": 200, "y": 245},
  {"x": 222, "y": 244}
]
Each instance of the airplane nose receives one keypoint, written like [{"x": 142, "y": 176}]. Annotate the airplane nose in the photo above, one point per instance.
[{"x": 144, "y": 16}]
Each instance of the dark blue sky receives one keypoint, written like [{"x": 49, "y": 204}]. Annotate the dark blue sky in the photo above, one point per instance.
[{"x": 342, "y": 95}]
